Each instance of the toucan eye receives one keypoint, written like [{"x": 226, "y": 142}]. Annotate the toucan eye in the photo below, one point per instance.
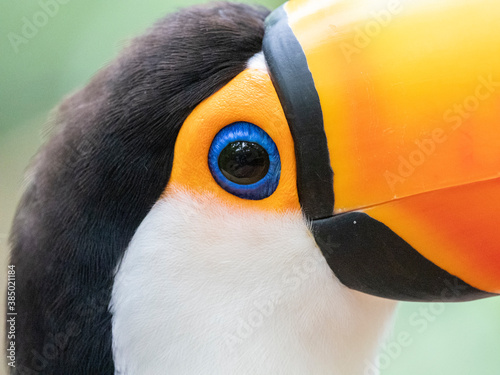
[{"x": 244, "y": 161}]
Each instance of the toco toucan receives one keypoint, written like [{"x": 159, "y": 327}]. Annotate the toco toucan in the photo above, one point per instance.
[{"x": 250, "y": 193}]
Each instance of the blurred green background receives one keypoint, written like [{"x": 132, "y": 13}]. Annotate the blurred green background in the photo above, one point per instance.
[{"x": 79, "y": 38}]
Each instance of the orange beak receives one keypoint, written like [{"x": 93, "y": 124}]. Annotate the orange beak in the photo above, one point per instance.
[{"x": 394, "y": 107}]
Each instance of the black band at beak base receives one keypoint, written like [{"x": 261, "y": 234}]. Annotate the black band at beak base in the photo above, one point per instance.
[{"x": 294, "y": 84}]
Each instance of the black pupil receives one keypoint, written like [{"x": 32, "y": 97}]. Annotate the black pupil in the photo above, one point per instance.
[{"x": 244, "y": 163}]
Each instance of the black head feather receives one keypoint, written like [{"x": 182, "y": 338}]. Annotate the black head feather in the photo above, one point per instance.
[{"x": 98, "y": 176}]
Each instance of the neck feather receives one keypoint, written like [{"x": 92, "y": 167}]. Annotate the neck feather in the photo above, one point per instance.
[{"x": 204, "y": 288}]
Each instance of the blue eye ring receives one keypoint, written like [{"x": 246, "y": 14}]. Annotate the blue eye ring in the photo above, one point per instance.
[{"x": 245, "y": 132}]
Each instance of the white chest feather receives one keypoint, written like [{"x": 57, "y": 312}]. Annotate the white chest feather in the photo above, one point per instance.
[{"x": 203, "y": 289}]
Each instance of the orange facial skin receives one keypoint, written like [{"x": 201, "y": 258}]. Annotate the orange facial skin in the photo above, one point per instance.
[{"x": 249, "y": 97}]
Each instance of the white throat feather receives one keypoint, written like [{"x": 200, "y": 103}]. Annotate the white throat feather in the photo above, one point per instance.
[{"x": 204, "y": 288}]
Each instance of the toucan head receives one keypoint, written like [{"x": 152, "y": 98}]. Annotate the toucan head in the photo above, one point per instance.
[
  {"x": 233, "y": 162},
  {"x": 378, "y": 121}
]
